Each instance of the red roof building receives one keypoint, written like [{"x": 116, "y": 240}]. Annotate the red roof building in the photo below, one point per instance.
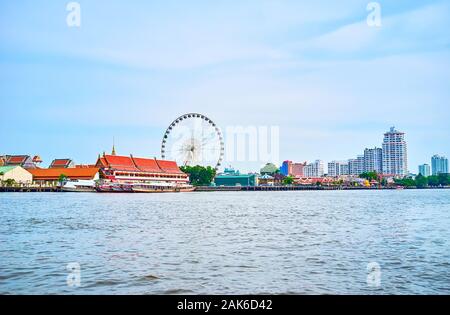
[
  {"x": 24, "y": 161},
  {"x": 130, "y": 169},
  {"x": 62, "y": 163},
  {"x": 53, "y": 174}
]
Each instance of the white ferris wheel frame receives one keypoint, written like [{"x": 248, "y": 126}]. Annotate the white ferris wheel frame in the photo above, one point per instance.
[{"x": 194, "y": 116}]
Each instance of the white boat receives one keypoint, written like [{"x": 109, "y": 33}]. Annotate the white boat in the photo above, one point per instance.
[{"x": 79, "y": 186}]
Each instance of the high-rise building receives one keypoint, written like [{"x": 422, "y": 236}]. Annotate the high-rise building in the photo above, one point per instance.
[
  {"x": 298, "y": 169},
  {"x": 395, "y": 156},
  {"x": 356, "y": 166},
  {"x": 425, "y": 170},
  {"x": 315, "y": 169},
  {"x": 439, "y": 164},
  {"x": 373, "y": 160},
  {"x": 293, "y": 169},
  {"x": 286, "y": 168},
  {"x": 338, "y": 168}
]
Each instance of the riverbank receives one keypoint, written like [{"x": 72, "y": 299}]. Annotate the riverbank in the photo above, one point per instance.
[{"x": 233, "y": 188}]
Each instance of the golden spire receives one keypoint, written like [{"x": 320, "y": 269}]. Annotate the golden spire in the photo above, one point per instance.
[{"x": 113, "y": 152}]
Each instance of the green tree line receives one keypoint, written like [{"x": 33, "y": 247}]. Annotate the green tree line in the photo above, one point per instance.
[
  {"x": 199, "y": 175},
  {"x": 421, "y": 181}
]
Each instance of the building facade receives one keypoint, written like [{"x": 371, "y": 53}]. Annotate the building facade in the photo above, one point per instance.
[
  {"x": 425, "y": 170},
  {"x": 16, "y": 173},
  {"x": 286, "y": 168},
  {"x": 395, "y": 154},
  {"x": 129, "y": 169},
  {"x": 51, "y": 176},
  {"x": 294, "y": 169},
  {"x": 298, "y": 169},
  {"x": 338, "y": 168},
  {"x": 231, "y": 178},
  {"x": 439, "y": 164},
  {"x": 356, "y": 166},
  {"x": 373, "y": 160},
  {"x": 24, "y": 161},
  {"x": 315, "y": 169}
]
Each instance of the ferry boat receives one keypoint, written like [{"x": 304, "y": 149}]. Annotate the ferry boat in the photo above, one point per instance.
[{"x": 112, "y": 187}]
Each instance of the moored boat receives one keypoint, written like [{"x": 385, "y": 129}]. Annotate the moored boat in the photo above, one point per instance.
[{"x": 79, "y": 186}]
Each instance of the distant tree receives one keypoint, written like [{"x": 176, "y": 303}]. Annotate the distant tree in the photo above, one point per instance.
[
  {"x": 199, "y": 175},
  {"x": 406, "y": 182},
  {"x": 369, "y": 175},
  {"x": 1, "y": 173},
  {"x": 444, "y": 179},
  {"x": 384, "y": 182},
  {"x": 288, "y": 180},
  {"x": 421, "y": 181},
  {"x": 318, "y": 183},
  {"x": 433, "y": 180}
]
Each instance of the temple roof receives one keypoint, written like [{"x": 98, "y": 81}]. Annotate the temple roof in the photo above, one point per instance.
[
  {"x": 134, "y": 164},
  {"x": 147, "y": 165},
  {"x": 61, "y": 163},
  {"x": 71, "y": 173}
]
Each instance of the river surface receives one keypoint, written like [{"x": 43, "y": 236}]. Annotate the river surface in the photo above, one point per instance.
[{"x": 295, "y": 242}]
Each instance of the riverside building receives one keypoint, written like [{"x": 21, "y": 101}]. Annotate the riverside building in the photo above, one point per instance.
[
  {"x": 394, "y": 155},
  {"x": 439, "y": 164}
]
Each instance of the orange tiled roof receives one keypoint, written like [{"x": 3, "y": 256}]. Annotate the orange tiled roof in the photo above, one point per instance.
[
  {"x": 169, "y": 167},
  {"x": 60, "y": 163},
  {"x": 147, "y": 165},
  {"x": 124, "y": 163},
  {"x": 130, "y": 163},
  {"x": 71, "y": 173},
  {"x": 17, "y": 159}
]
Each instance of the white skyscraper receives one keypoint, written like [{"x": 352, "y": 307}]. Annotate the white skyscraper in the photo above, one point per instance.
[
  {"x": 439, "y": 164},
  {"x": 373, "y": 160},
  {"x": 395, "y": 155},
  {"x": 338, "y": 168},
  {"x": 315, "y": 169}
]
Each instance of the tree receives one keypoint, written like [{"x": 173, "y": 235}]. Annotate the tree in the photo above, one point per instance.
[
  {"x": 61, "y": 179},
  {"x": 369, "y": 175},
  {"x": 444, "y": 179},
  {"x": 421, "y": 181},
  {"x": 10, "y": 182},
  {"x": 406, "y": 182},
  {"x": 433, "y": 181},
  {"x": 199, "y": 175},
  {"x": 288, "y": 180}
]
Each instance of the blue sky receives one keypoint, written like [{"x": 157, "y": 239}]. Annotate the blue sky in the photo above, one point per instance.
[{"x": 314, "y": 68}]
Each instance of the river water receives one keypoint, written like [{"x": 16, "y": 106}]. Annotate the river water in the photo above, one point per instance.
[{"x": 296, "y": 242}]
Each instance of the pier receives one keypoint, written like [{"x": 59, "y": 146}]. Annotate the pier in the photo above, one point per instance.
[{"x": 29, "y": 189}]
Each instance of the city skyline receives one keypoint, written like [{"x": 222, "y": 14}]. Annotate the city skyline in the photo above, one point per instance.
[{"x": 318, "y": 71}]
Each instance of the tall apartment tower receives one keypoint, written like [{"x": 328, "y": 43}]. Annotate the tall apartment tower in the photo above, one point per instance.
[
  {"x": 425, "y": 170},
  {"x": 395, "y": 153},
  {"x": 315, "y": 169},
  {"x": 439, "y": 164},
  {"x": 373, "y": 160}
]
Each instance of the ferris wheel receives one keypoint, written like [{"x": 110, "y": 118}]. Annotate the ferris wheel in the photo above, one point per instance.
[{"x": 193, "y": 139}]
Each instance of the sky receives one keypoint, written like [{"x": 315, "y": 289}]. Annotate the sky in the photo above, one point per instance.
[{"x": 315, "y": 69}]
